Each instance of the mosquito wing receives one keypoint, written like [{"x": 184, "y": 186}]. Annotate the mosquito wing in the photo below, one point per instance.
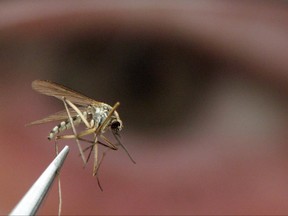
[
  {"x": 59, "y": 116},
  {"x": 59, "y": 91}
]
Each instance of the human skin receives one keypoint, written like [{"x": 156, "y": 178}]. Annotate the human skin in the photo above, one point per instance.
[{"x": 177, "y": 172}]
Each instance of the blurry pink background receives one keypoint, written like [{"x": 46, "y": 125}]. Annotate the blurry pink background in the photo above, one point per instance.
[{"x": 203, "y": 92}]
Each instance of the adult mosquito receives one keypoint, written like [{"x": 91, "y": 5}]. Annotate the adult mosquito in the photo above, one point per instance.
[{"x": 98, "y": 117}]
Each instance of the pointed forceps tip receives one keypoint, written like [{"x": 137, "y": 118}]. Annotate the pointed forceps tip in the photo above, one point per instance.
[{"x": 32, "y": 200}]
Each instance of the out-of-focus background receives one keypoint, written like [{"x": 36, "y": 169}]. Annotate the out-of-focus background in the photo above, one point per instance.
[{"x": 203, "y": 92}]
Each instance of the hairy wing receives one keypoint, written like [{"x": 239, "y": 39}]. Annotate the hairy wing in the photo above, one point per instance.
[
  {"x": 59, "y": 116},
  {"x": 59, "y": 91}
]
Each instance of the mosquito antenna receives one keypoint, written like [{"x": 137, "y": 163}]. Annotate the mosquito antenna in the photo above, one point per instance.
[{"x": 116, "y": 137}]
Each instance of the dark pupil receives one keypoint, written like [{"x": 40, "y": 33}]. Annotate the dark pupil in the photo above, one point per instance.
[{"x": 115, "y": 125}]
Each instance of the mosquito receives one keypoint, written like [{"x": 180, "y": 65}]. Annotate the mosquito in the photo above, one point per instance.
[{"x": 98, "y": 117}]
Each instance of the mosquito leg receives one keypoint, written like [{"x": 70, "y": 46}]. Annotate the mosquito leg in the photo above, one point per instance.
[
  {"x": 90, "y": 152},
  {"x": 98, "y": 181},
  {"x": 56, "y": 147},
  {"x": 77, "y": 136},
  {"x": 74, "y": 131},
  {"x": 59, "y": 183},
  {"x": 91, "y": 149},
  {"x": 81, "y": 139},
  {"x": 78, "y": 112},
  {"x": 95, "y": 166},
  {"x": 84, "y": 140},
  {"x": 100, "y": 162},
  {"x": 99, "y": 184},
  {"x": 92, "y": 142},
  {"x": 108, "y": 143},
  {"x": 87, "y": 132},
  {"x": 60, "y": 195}
]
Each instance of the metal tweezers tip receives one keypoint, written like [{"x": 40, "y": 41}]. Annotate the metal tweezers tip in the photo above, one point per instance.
[{"x": 32, "y": 200}]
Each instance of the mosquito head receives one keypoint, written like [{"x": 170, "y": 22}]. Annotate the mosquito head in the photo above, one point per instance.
[{"x": 116, "y": 126}]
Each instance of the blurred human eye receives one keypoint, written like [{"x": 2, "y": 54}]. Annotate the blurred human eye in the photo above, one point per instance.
[
  {"x": 167, "y": 87},
  {"x": 160, "y": 85}
]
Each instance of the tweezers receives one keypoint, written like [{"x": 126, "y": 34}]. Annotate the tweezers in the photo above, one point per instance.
[{"x": 32, "y": 200}]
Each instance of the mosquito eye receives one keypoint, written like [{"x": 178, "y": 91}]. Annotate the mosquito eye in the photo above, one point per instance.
[{"x": 115, "y": 125}]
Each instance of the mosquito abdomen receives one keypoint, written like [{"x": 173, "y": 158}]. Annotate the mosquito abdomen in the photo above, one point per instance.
[{"x": 64, "y": 125}]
